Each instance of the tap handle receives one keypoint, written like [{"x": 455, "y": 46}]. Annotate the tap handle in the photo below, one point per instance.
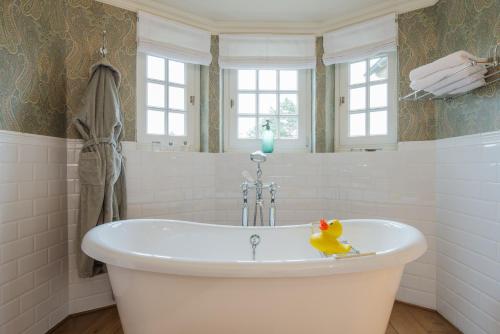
[
  {"x": 273, "y": 188},
  {"x": 244, "y": 188},
  {"x": 272, "y": 209},
  {"x": 247, "y": 176}
]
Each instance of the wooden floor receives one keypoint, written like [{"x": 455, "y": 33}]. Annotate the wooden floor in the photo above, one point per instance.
[{"x": 405, "y": 319}]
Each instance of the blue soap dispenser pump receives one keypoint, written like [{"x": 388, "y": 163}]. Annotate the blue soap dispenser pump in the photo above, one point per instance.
[{"x": 267, "y": 138}]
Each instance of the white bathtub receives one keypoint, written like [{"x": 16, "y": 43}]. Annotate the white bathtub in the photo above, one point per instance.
[{"x": 173, "y": 277}]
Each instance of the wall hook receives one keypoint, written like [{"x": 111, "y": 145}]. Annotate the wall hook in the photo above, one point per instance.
[{"x": 103, "y": 51}]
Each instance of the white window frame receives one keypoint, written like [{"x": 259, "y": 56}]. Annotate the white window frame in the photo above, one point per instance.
[
  {"x": 234, "y": 144},
  {"x": 189, "y": 142},
  {"x": 378, "y": 142}
]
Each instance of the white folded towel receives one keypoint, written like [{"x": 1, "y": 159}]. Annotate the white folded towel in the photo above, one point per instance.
[
  {"x": 470, "y": 87},
  {"x": 445, "y": 77},
  {"x": 452, "y": 60},
  {"x": 461, "y": 85}
]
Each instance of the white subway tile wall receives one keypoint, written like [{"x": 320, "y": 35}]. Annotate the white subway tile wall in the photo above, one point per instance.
[
  {"x": 468, "y": 230},
  {"x": 449, "y": 189},
  {"x": 33, "y": 233}
]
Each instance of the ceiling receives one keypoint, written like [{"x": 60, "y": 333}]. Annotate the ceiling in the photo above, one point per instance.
[
  {"x": 270, "y": 10},
  {"x": 306, "y": 16}
]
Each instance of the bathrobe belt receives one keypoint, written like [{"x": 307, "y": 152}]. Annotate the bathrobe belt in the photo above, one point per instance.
[{"x": 102, "y": 140}]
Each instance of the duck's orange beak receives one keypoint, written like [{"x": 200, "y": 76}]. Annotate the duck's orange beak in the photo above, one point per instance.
[{"x": 323, "y": 225}]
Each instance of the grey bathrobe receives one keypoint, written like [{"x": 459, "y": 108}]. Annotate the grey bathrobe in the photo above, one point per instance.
[{"x": 101, "y": 165}]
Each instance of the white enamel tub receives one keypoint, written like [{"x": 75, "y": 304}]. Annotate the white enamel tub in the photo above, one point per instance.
[{"x": 173, "y": 277}]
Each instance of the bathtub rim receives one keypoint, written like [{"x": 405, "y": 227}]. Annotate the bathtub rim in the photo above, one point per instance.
[{"x": 394, "y": 257}]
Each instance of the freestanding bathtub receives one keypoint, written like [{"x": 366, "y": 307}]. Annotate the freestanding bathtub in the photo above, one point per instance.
[{"x": 175, "y": 277}]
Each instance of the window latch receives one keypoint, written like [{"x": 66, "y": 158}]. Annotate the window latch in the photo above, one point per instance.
[
  {"x": 231, "y": 103},
  {"x": 341, "y": 100},
  {"x": 191, "y": 99}
]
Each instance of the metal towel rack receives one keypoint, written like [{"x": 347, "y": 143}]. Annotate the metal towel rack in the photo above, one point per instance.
[{"x": 492, "y": 65}]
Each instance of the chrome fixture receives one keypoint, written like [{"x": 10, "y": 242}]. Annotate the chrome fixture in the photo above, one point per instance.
[
  {"x": 249, "y": 183},
  {"x": 254, "y": 242},
  {"x": 103, "y": 50}
]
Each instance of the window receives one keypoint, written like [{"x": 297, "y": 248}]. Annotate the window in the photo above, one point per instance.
[
  {"x": 168, "y": 111},
  {"x": 366, "y": 117},
  {"x": 255, "y": 96}
]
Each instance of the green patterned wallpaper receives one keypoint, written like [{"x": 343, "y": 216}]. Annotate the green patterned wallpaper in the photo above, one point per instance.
[
  {"x": 204, "y": 107},
  {"x": 474, "y": 26},
  {"x": 86, "y": 19},
  {"x": 32, "y": 82},
  {"x": 324, "y": 92},
  {"x": 320, "y": 92},
  {"x": 214, "y": 119},
  {"x": 417, "y": 45},
  {"x": 46, "y": 49},
  {"x": 433, "y": 32},
  {"x": 210, "y": 118}
]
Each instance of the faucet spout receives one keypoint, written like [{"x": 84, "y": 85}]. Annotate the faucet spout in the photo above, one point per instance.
[{"x": 258, "y": 157}]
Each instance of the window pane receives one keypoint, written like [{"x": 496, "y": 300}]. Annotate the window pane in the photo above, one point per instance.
[
  {"x": 378, "y": 96},
  {"x": 378, "y": 68},
  {"x": 267, "y": 80},
  {"x": 176, "y": 124},
  {"x": 357, "y": 125},
  {"x": 246, "y": 104},
  {"x": 156, "y": 68},
  {"x": 378, "y": 122},
  {"x": 288, "y": 80},
  {"x": 289, "y": 127},
  {"x": 246, "y": 128},
  {"x": 357, "y": 98},
  {"x": 156, "y": 95},
  {"x": 176, "y": 98},
  {"x": 273, "y": 123},
  {"x": 288, "y": 104},
  {"x": 156, "y": 122},
  {"x": 357, "y": 73},
  {"x": 176, "y": 72},
  {"x": 267, "y": 104},
  {"x": 247, "y": 79}
]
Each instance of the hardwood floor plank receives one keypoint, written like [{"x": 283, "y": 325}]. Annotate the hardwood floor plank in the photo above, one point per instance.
[
  {"x": 78, "y": 323},
  {"x": 405, "y": 319},
  {"x": 432, "y": 321},
  {"x": 390, "y": 330}
]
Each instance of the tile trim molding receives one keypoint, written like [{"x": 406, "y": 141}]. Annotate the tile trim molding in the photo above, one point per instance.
[{"x": 30, "y": 138}]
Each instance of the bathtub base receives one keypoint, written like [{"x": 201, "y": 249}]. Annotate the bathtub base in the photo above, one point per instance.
[{"x": 355, "y": 303}]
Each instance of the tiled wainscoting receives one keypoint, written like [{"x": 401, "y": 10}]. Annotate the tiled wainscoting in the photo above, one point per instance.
[
  {"x": 449, "y": 189},
  {"x": 33, "y": 233},
  {"x": 468, "y": 227}
]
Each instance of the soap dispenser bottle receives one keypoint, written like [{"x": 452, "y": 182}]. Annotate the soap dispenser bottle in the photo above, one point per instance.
[{"x": 267, "y": 138}]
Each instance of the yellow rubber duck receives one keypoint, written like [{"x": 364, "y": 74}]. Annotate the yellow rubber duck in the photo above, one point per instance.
[{"x": 326, "y": 240}]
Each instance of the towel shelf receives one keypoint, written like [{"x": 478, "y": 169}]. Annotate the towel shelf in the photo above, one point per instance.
[{"x": 492, "y": 76}]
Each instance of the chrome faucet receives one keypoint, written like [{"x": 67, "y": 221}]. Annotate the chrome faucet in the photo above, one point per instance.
[{"x": 258, "y": 157}]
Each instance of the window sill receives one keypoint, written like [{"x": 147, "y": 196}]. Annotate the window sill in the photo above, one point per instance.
[
  {"x": 374, "y": 148},
  {"x": 153, "y": 147}
]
